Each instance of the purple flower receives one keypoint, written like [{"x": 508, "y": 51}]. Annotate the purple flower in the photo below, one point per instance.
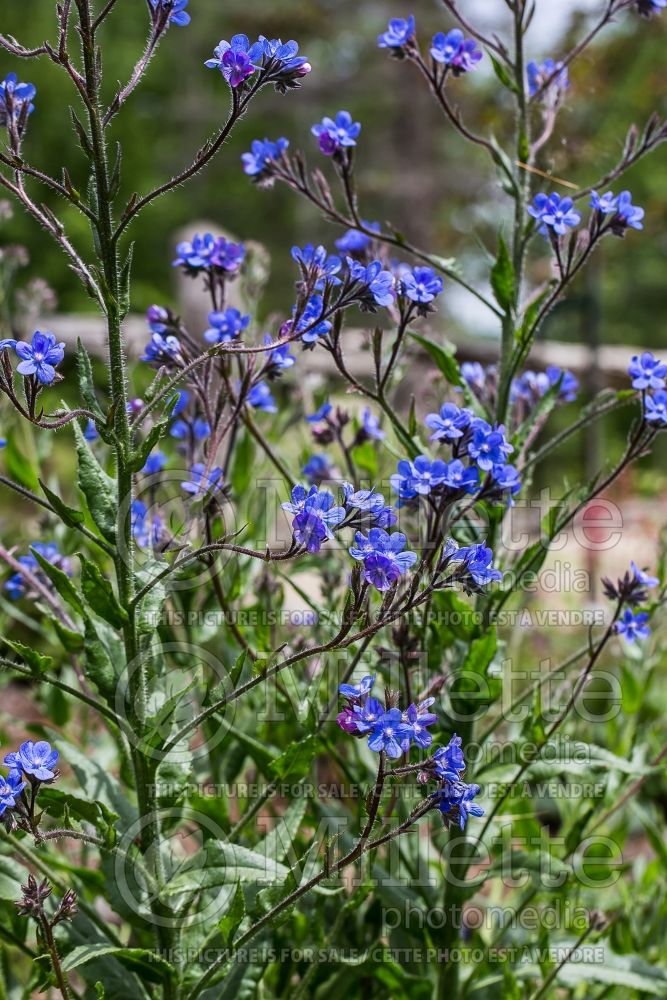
[
  {"x": 642, "y": 578},
  {"x": 263, "y": 153},
  {"x": 178, "y": 14},
  {"x": 381, "y": 572},
  {"x": 647, "y": 372},
  {"x": 418, "y": 478},
  {"x": 40, "y": 357},
  {"x": 449, "y": 424},
  {"x": 10, "y": 789},
  {"x": 203, "y": 481},
  {"x": 400, "y": 31},
  {"x": 261, "y": 398},
  {"x": 208, "y": 251},
  {"x": 555, "y": 72},
  {"x": 656, "y": 408},
  {"x": 90, "y": 431},
  {"x": 416, "y": 719},
  {"x": 15, "y": 99},
  {"x": 473, "y": 374},
  {"x": 488, "y": 445},
  {"x": 420, "y": 285},
  {"x": 378, "y": 284},
  {"x": 369, "y": 502},
  {"x": 35, "y": 759},
  {"x": 632, "y": 625},
  {"x": 162, "y": 350},
  {"x": 554, "y": 212},
  {"x": 225, "y": 326},
  {"x": 385, "y": 734},
  {"x": 334, "y": 135},
  {"x": 315, "y": 514},
  {"x": 453, "y": 50},
  {"x": 237, "y": 60}
]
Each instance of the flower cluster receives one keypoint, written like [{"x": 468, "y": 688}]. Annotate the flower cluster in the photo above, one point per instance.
[
  {"x": 631, "y": 589},
  {"x": 554, "y": 214},
  {"x": 17, "y": 586},
  {"x": 16, "y": 100},
  {"x": 550, "y": 75},
  {"x": 263, "y": 156},
  {"x": 209, "y": 253},
  {"x": 276, "y": 62},
  {"x": 455, "y": 52},
  {"x": 400, "y": 32},
  {"x": 37, "y": 358},
  {"x": 454, "y": 797},
  {"x": 622, "y": 213},
  {"x": 531, "y": 386},
  {"x": 388, "y": 729},
  {"x": 611, "y": 213},
  {"x": 382, "y": 555},
  {"x": 336, "y": 135},
  {"x": 177, "y": 13},
  {"x": 32, "y": 764},
  {"x": 648, "y": 376}
]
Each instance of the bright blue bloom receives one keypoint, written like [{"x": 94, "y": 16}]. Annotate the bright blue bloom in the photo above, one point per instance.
[
  {"x": 632, "y": 625},
  {"x": 506, "y": 480},
  {"x": 642, "y": 577},
  {"x": 416, "y": 719},
  {"x": 554, "y": 212},
  {"x": 146, "y": 532},
  {"x": 453, "y": 50},
  {"x": 317, "y": 262},
  {"x": 379, "y": 284},
  {"x": 315, "y": 514},
  {"x": 371, "y": 425},
  {"x": 202, "y": 482},
  {"x": 157, "y": 318},
  {"x": 320, "y": 414},
  {"x": 604, "y": 204},
  {"x": 381, "y": 543},
  {"x": 310, "y": 321},
  {"x": 448, "y": 761},
  {"x": 7, "y": 343},
  {"x": 568, "y": 386},
  {"x": 627, "y": 215},
  {"x": 162, "y": 349},
  {"x": 10, "y": 789},
  {"x": 460, "y": 477},
  {"x": 182, "y": 400},
  {"x": 647, "y": 372},
  {"x": 225, "y": 325},
  {"x": 478, "y": 563},
  {"x": 369, "y": 502},
  {"x": 237, "y": 60},
  {"x": 35, "y": 759},
  {"x": 262, "y": 154},
  {"x": 421, "y": 285},
  {"x": 261, "y": 397},
  {"x": 449, "y": 424},
  {"x": 280, "y": 358},
  {"x": 456, "y": 799},
  {"x": 387, "y": 733},
  {"x": 40, "y": 357},
  {"x": 178, "y": 14},
  {"x": 199, "y": 429},
  {"x": 656, "y": 408},
  {"x": 336, "y": 135},
  {"x": 400, "y": 31},
  {"x": 418, "y": 478},
  {"x": 90, "y": 431},
  {"x": 285, "y": 53},
  {"x": 555, "y": 72},
  {"x": 209, "y": 251},
  {"x": 488, "y": 445},
  {"x": 317, "y": 468},
  {"x": 353, "y": 241},
  {"x": 155, "y": 463},
  {"x": 14, "y": 97},
  {"x": 360, "y": 690},
  {"x": 381, "y": 572},
  {"x": 359, "y": 719}
]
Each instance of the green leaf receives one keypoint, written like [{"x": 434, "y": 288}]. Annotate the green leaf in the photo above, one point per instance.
[
  {"x": 98, "y": 488},
  {"x": 296, "y": 760},
  {"x": 68, "y": 515},
  {"x": 99, "y": 593},
  {"x": 124, "y": 283},
  {"x": 444, "y": 359},
  {"x": 36, "y": 661},
  {"x": 502, "y": 277},
  {"x": 87, "y": 381},
  {"x": 61, "y": 582},
  {"x": 142, "y": 957},
  {"x": 365, "y": 457},
  {"x": 221, "y": 864},
  {"x": 503, "y": 75},
  {"x": 98, "y": 666},
  {"x": 140, "y": 456},
  {"x": 20, "y": 461},
  {"x": 243, "y": 464},
  {"x": 230, "y": 923}
]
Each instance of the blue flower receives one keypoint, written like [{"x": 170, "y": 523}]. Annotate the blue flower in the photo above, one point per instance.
[
  {"x": 378, "y": 284},
  {"x": 420, "y": 285},
  {"x": 360, "y": 690},
  {"x": 146, "y": 531},
  {"x": 360, "y": 719},
  {"x": 201, "y": 481},
  {"x": 647, "y": 372},
  {"x": 261, "y": 397},
  {"x": 181, "y": 401},
  {"x": 416, "y": 719},
  {"x": 37, "y": 760},
  {"x": 448, "y": 761},
  {"x": 317, "y": 264},
  {"x": 263, "y": 153},
  {"x": 208, "y": 251},
  {"x": 604, "y": 204},
  {"x": 40, "y": 357},
  {"x": 506, "y": 480},
  {"x": 656, "y": 408},
  {"x": 449, "y": 424},
  {"x": 90, "y": 431},
  {"x": 353, "y": 241},
  {"x": 320, "y": 414},
  {"x": 236, "y": 60},
  {"x": 418, "y": 478},
  {"x": 371, "y": 425},
  {"x": 642, "y": 578},
  {"x": 488, "y": 445},
  {"x": 225, "y": 325},
  {"x": 317, "y": 468},
  {"x": 10, "y": 789},
  {"x": 387, "y": 733},
  {"x": 461, "y": 477},
  {"x": 648, "y": 7},
  {"x": 453, "y": 50},
  {"x": 334, "y": 135},
  {"x": 157, "y": 318},
  {"x": 198, "y": 429},
  {"x": 473, "y": 374},
  {"x": 477, "y": 563},
  {"x": 279, "y": 358},
  {"x": 15, "y": 99},
  {"x": 555, "y": 72},
  {"x": 369, "y": 502},
  {"x": 155, "y": 463},
  {"x": 400, "y": 31},
  {"x": 315, "y": 514},
  {"x": 628, "y": 216},
  {"x": 178, "y": 14},
  {"x": 311, "y": 325},
  {"x": 162, "y": 349},
  {"x": 455, "y": 799},
  {"x": 381, "y": 543},
  {"x": 632, "y": 625},
  {"x": 554, "y": 212},
  {"x": 17, "y": 587},
  {"x": 568, "y": 386}
]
